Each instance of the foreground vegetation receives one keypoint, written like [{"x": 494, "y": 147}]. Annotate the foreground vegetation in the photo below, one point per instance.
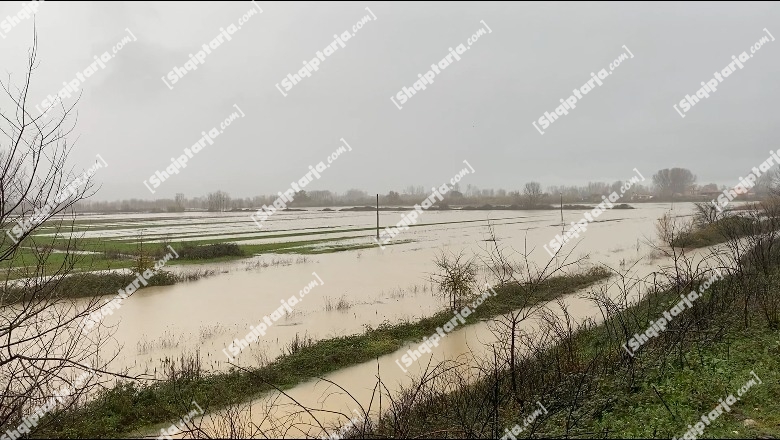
[
  {"x": 710, "y": 227},
  {"x": 581, "y": 372},
  {"x": 593, "y": 389}
]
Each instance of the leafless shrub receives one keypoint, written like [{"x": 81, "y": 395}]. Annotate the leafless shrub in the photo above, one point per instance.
[
  {"x": 456, "y": 278},
  {"x": 705, "y": 214},
  {"x": 42, "y": 346}
]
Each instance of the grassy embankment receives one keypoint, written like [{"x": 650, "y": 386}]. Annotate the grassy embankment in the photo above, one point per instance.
[
  {"x": 714, "y": 233},
  {"x": 593, "y": 388},
  {"x": 130, "y": 408}
]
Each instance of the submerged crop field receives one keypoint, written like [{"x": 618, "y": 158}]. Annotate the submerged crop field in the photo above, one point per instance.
[{"x": 334, "y": 220}]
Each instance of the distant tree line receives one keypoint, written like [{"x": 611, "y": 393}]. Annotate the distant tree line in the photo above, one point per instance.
[{"x": 678, "y": 184}]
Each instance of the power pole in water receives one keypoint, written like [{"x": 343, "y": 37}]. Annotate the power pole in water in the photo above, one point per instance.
[
  {"x": 377, "y": 216},
  {"x": 561, "y": 212}
]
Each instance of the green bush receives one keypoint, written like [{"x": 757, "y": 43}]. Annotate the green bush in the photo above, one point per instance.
[
  {"x": 210, "y": 251},
  {"x": 82, "y": 285}
]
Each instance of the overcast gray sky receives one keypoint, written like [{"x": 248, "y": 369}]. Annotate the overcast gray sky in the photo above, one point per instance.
[{"x": 480, "y": 108}]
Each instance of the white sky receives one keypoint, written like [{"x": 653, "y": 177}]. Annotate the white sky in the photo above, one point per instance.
[{"x": 480, "y": 108}]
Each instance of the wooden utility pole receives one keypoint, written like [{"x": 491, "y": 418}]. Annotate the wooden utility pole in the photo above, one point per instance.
[
  {"x": 561, "y": 213},
  {"x": 377, "y": 216}
]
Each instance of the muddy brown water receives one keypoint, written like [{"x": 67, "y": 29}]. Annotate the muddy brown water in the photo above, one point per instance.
[{"x": 161, "y": 323}]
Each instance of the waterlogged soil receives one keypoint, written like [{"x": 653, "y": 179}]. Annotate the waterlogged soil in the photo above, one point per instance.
[
  {"x": 464, "y": 349},
  {"x": 159, "y": 324}
]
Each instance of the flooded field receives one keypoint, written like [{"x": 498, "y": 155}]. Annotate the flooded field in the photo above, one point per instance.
[
  {"x": 373, "y": 285},
  {"x": 213, "y": 213},
  {"x": 360, "y": 288}
]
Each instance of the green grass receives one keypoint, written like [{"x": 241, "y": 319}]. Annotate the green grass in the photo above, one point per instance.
[
  {"x": 132, "y": 248},
  {"x": 689, "y": 385},
  {"x": 114, "y": 253},
  {"x": 129, "y": 245},
  {"x": 26, "y": 262},
  {"x": 591, "y": 388},
  {"x": 119, "y": 255},
  {"x": 129, "y": 408},
  {"x": 711, "y": 234},
  {"x": 693, "y": 392},
  {"x": 85, "y": 285}
]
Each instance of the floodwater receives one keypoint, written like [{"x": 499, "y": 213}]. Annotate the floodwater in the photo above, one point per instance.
[
  {"x": 162, "y": 323},
  {"x": 378, "y": 285}
]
